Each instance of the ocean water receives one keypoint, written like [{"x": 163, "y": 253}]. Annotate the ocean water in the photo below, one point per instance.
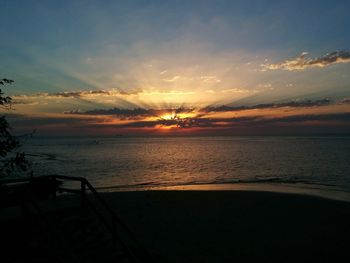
[{"x": 123, "y": 162}]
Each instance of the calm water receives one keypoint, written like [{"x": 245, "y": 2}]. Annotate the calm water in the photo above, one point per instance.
[{"x": 110, "y": 162}]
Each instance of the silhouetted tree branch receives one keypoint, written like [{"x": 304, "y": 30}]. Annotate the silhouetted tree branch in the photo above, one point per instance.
[{"x": 9, "y": 142}]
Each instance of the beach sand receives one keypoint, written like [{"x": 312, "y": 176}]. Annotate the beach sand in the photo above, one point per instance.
[{"x": 236, "y": 226}]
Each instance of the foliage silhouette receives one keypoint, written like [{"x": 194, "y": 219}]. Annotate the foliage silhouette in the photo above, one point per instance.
[{"x": 9, "y": 161}]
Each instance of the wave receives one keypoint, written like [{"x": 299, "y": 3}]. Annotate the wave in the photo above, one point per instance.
[
  {"x": 273, "y": 180},
  {"x": 45, "y": 156}
]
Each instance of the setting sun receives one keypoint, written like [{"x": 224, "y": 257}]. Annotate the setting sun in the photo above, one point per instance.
[{"x": 171, "y": 116}]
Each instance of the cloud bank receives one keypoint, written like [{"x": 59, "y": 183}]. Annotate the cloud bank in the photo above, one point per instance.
[
  {"x": 302, "y": 61},
  {"x": 293, "y": 103},
  {"x": 210, "y": 117},
  {"x": 158, "y": 112},
  {"x": 77, "y": 94}
]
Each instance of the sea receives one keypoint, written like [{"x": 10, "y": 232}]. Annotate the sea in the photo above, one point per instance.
[{"x": 113, "y": 163}]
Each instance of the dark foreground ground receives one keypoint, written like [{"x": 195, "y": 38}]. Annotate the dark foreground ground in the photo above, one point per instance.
[
  {"x": 237, "y": 226},
  {"x": 213, "y": 226}
]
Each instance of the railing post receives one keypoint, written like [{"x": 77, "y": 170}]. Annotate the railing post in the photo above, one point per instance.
[{"x": 83, "y": 197}]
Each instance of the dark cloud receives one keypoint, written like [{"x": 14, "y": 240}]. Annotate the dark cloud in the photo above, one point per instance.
[
  {"x": 94, "y": 118},
  {"x": 302, "y": 61},
  {"x": 141, "y": 112},
  {"x": 131, "y": 113},
  {"x": 344, "y": 117},
  {"x": 77, "y": 111},
  {"x": 200, "y": 120},
  {"x": 294, "y": 103},
  {"x": 76, "y": 94},
  {"x": 252, "y": 122},
  {"x": 118, "y": 111}
]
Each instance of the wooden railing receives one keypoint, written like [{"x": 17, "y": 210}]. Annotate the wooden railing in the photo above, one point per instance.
[{"x": 50, "y": 185}]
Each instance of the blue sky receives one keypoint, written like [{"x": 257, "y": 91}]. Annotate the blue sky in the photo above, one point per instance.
[
  {"x": 166, "y": 54},
  {"x": 35, "y": 33}
]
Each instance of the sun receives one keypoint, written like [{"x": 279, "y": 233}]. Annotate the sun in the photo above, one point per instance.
[
  {"x": 177, "y": 115},
  {"x": 169, "y": 116},
  {"x": 177, "y": 120}
]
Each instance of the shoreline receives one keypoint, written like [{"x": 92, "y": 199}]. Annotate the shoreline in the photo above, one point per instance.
[{"x": 321, "y": 191}]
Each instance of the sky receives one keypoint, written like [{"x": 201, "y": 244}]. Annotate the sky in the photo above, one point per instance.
[{"x": 177, "y": 67}]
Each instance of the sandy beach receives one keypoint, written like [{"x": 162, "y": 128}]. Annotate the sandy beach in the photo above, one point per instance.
[
  {"x": 236, "y": 226},
  {"x": 200, "y": 225}
]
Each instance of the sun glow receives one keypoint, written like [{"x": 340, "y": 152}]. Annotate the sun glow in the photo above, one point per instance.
[
  {"x": 169, "y": 117},
  {"x": 178, "y": 116}
]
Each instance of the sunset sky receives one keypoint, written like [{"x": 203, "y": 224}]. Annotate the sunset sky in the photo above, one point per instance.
[{"x": 177, "y": 67}]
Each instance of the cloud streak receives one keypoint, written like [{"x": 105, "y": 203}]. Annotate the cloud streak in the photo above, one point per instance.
[
  {"x": 158, "y": 112},
  {"x": 207, "y": 117},
  {"x": 293, "y": 103},
  {"x": 77, "y": 94},
  {"x": 302, "y": 61},
  {"x": 136, "y": 113},
  {"x": 154, "y": 121},
  {"x": 240, "y": 122}
]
